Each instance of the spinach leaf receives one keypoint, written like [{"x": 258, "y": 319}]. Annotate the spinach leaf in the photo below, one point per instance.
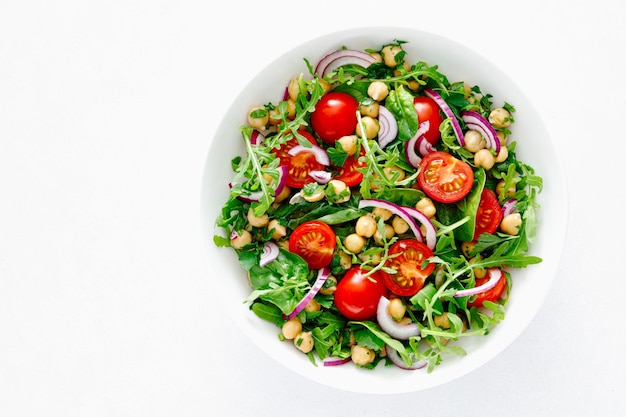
[{"x": 400, "y": 103}]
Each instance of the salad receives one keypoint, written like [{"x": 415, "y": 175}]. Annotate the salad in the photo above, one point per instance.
[{"x": 380, "y": 210}]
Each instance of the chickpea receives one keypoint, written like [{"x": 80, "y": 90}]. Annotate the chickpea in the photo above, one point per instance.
[
  {"x": 255, "y": 221},
  {"x": 291, "y": 108},
  {"x": 382, "y": 213},
  {"x": 370, "y": 110},
  {"x": 317, "y": 195},
  {"x": 484, "y": 158},
  {"x": 500, "y": 117},
  {"x": 426, "y": 206},
  {"x": 502, "y": 155},
  {"x": 354, "y": 243},
  {"x": 371, "y": 127},
  {"x": 362, "y": 356},
  {"x": 291, "y": 328},
  {"x": 400, "y": 226},
  {"x": 366, "y": 226},
  {"x": 330, "y": 286},
  {"x": 341, "y": 190},
  {"x": 442, "y": 320},
  {"x": 509, "y": 192},
  {"x": 283, "y": 195},
  {"x": 240, "y": 239},
  {"x": 258, "y": 117},
  {"x": 389, "y": 233},
  {"x": 390, "y": 172},
  {"x": 312, "y": 306},
  {"x": 325, "y": 84},
  {"x": 511, "y": 223},
  {"x": 345, "y": 260},
  {"x": 467, "y": 248},
  {"x": 377, "y": 56},
  {"x": 389, "y": 54},
  {"x": 279, "y": 231},
  {"x": 374, "y": 257},
  {"x": 293, "y": 89},
  {"x": 378, "y": 90},
  {"x": 502, "y": 137},
  {"x": 478, "y": 272},
  {"x": 474, "y": 141},
  {"x": 274, "y": 117},
  {"x": 304, "y": 341},
  {"x": 348, "y": 144},
  {"x": 283, "y": 244},
  {"x": 396, "y": 308}
]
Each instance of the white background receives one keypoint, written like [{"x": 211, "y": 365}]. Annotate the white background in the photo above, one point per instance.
[{"x": 108, "y": 306}]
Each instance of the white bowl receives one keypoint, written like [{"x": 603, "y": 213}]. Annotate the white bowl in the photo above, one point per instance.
[{"x": 531, "y": 285}]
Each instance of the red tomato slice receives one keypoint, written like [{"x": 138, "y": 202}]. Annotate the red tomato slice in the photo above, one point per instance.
[
  {"x": 334, "y": 116},
  {"x": 315, "y": 242},
  {"x": 406, "y": 258},
  {"x": 445, "y": 178},
  {"x": 357, "y": 295},
  {"x": 300, "y": 165},
  {"x": 349, "y": 173},
  {"x": 428, "y": 111},
  {"x": 494, "y": 294},
  {"x": 488, "y": 215}
]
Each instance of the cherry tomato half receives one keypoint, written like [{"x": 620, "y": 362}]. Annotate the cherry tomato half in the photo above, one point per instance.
[
  {"x": 349, "y": 173},
  {"x": 357, "y": 295},
  {"x": 315, "y": 242},
  {"x": 445, "y": 178},
  {"x": 334, "y": 116},
  {"x": 488, "y": 215},
  {"x": 300, "y": 165},
  {"x": 494, "y": 294},
  {"x": 406, "y": 258},
  {"x": 428, "y": 111}
]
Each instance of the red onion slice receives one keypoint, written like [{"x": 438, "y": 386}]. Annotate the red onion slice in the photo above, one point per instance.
[
  {"x": 256, "y": 138},
  {"x": 410, "y": 152},
  {"x": 456, "y": 127},
  {"x": 431, "y": 232},
  {"x": 342, "y": 57},
  {"x": 270, "y": 253},
  {"x": 394, "y": 357},
  {"x": 477, "y": 122},
  {"x": 320, "y": 154},
  {"x": 392, "y": 327},
  {"x": 388, "y": 127},
  {"x": 495, "y": 275},
  {"x": 395, "y": 209},
  {"x": 424, "y": 147},
  {"x": 336, "y": 361},
  {"x": 319, "y": 282},
  {"x": 509, "y": 207},
  {"x": 321, "y": 177}
]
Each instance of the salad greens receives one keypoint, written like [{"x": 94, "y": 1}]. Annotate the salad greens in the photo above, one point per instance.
[{"x": 262, "y": 211}]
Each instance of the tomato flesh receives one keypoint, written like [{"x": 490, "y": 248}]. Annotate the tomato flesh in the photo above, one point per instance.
[
  {"x": 349, "y": 173},
  {"x": 315, "y": 242},
  {"x": 445, "y": 178},
  {"x": 334, "y": 116},
  {"x": 406, "y": 258},
  {"x": 357, "y": 295},
  {"x": 488, "y": 215},
  {"x": 493, "y": 294},
  {"x": 428, "y": 111},
  {"x": 300, "y": 165}
]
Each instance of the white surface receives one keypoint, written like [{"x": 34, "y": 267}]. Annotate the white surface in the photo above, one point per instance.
[{"x": 107, "y": 302}]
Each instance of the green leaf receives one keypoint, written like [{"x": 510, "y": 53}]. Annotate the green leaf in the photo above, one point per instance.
[{"x": 400, "y": 103}]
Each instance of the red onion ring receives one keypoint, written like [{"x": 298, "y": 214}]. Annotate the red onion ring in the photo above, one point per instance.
[
  {"x": 410, "y": 152},
  {"x": 394, "y": 357},
  {"x": 388, "y": 127},
  {"x": 335, "y": 361},
  {"x": 395, "y": 209},
  {"x": 390, "y": 326},
  {"x": 424, "y": 147},
  {"x": 431, "y": 232},
  {"x": 270, "y": 253},
  {"x": 342, "y": 57},
  {"x": 322, "y": 274},
  {"x": 254, "y": 196},
  {"x": 495, "y": 275},
  {"x": 256, "y": 138},
  {"x": 456, "y": 127},
  {"x": 321, "y": 177},
  {"x": 475, "y": 121},
  {"x": 320, "y": 154},
  {"x": 509, "y": 207}
]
